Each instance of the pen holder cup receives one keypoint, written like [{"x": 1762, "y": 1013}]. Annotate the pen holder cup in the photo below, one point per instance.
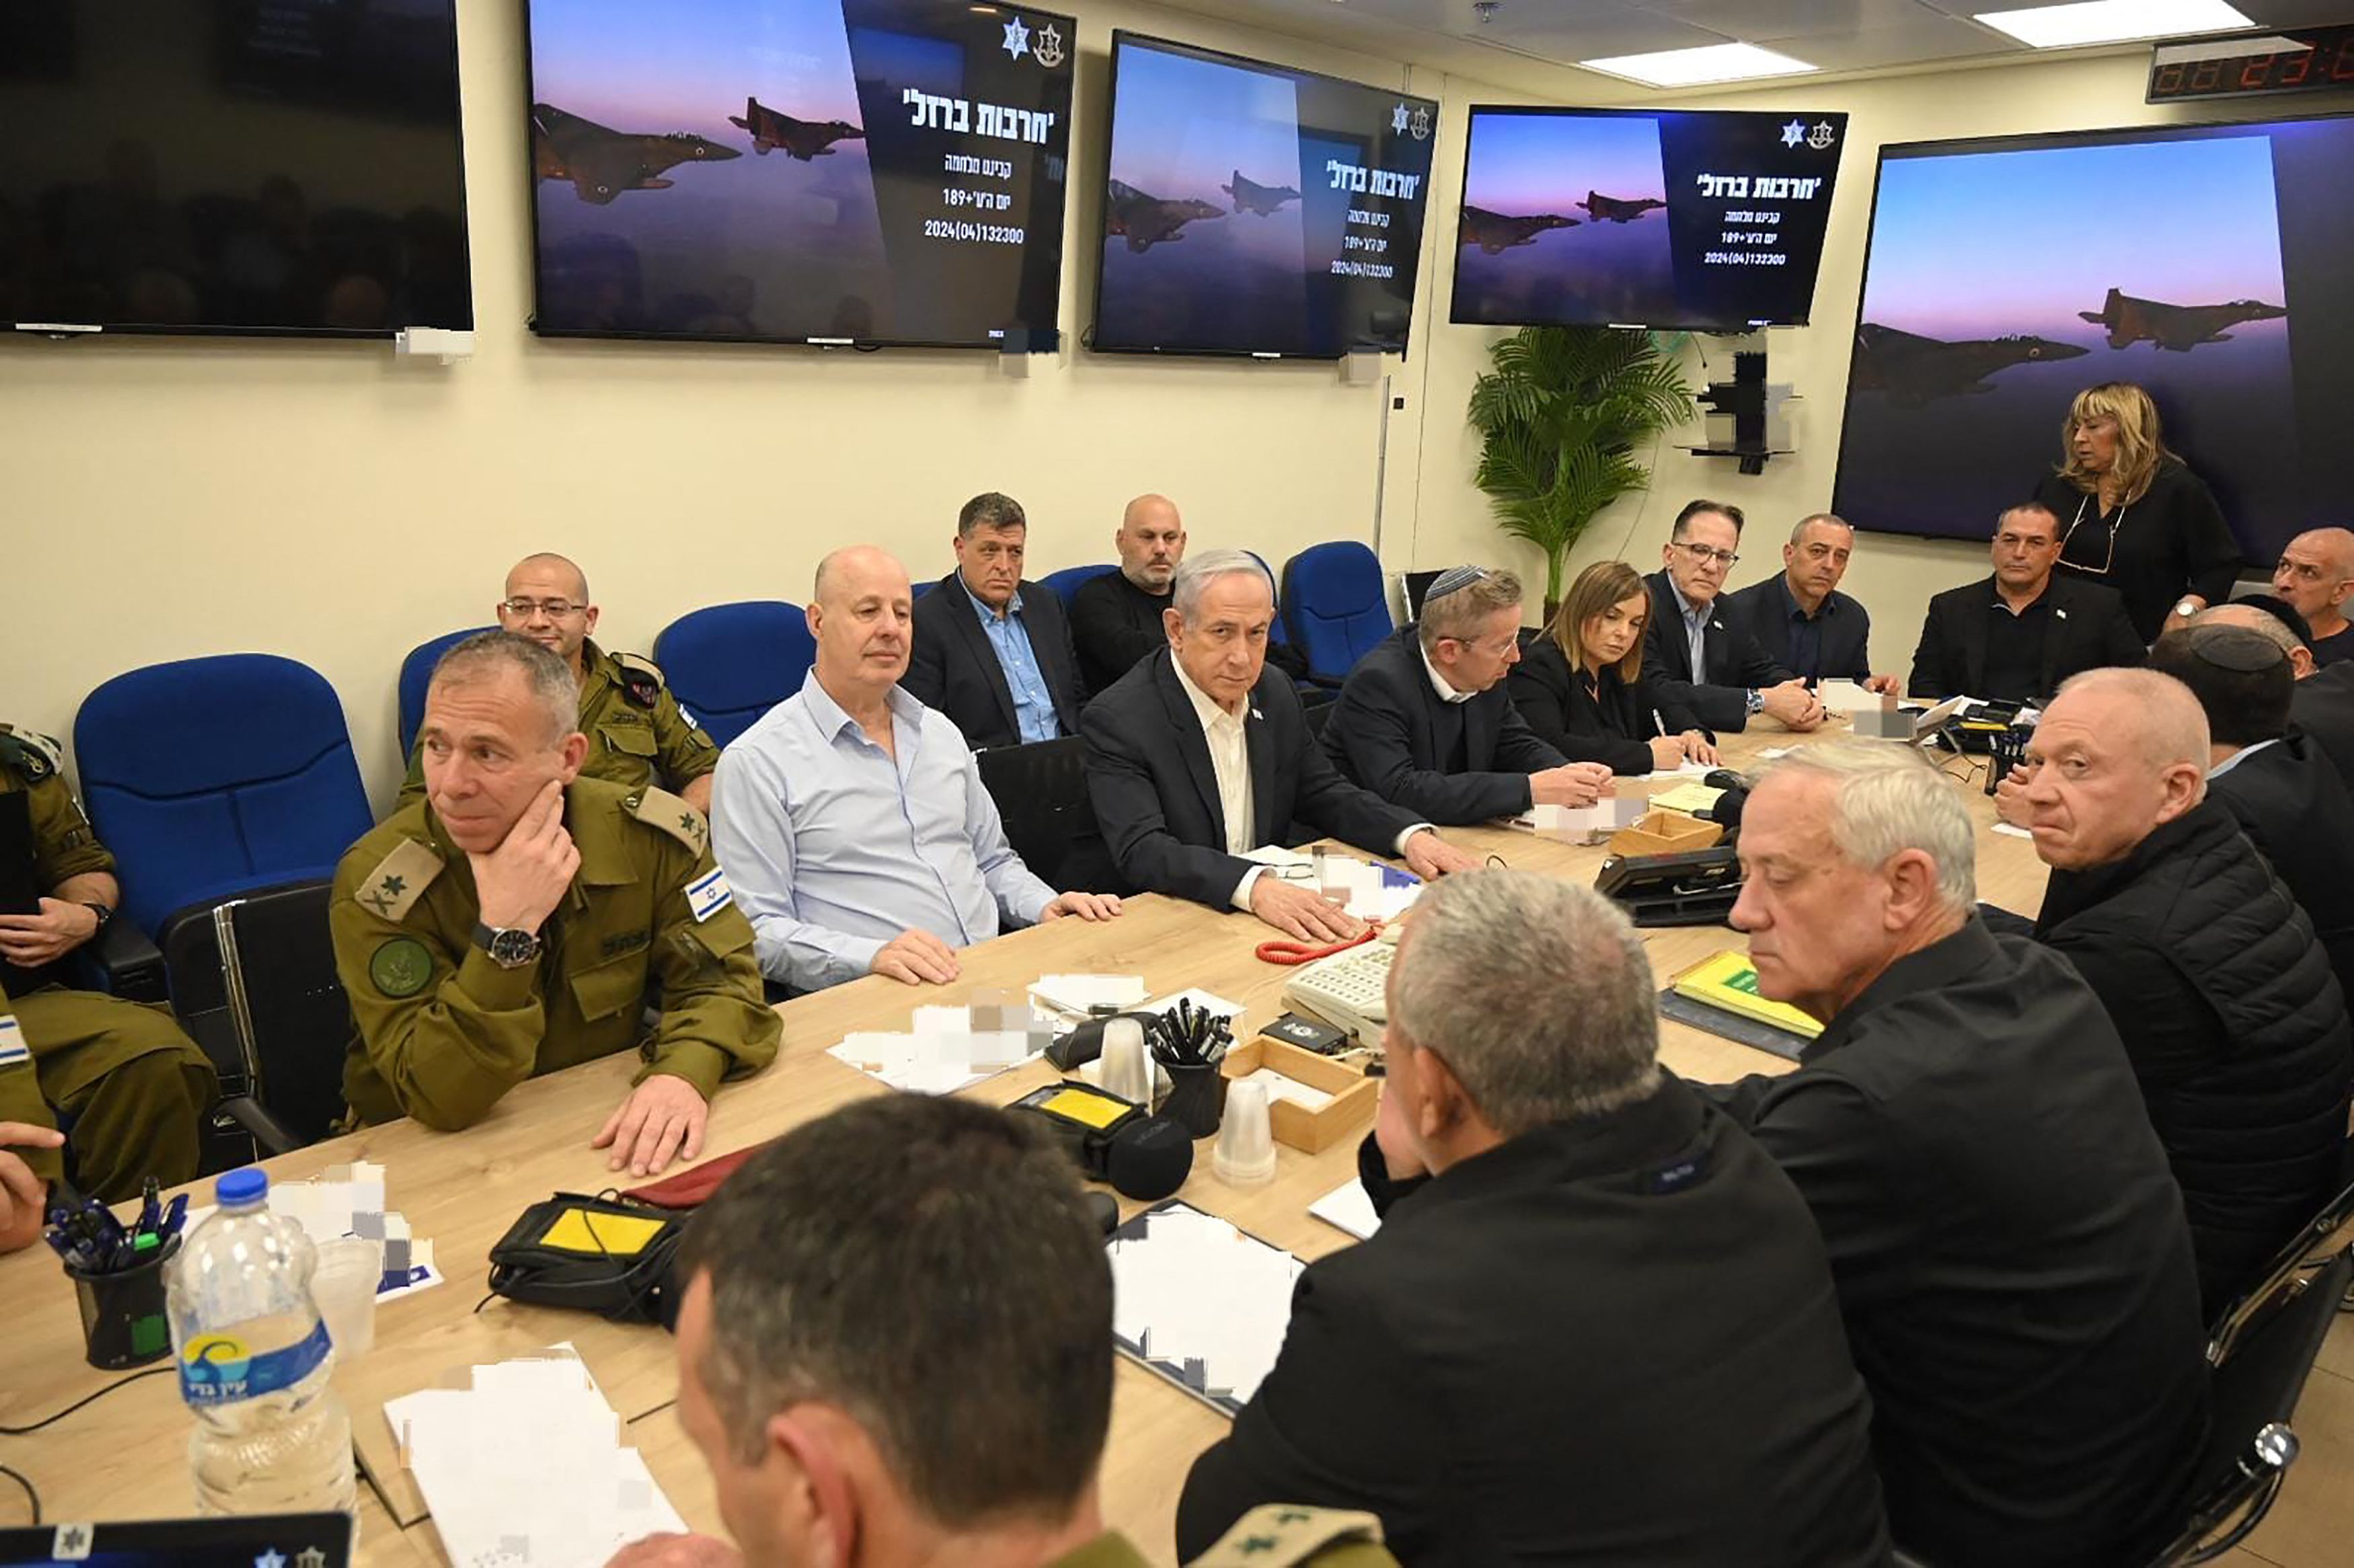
[
  {"x": 1197, "y": 1100},
  {"x": 122, "y": 1319}
]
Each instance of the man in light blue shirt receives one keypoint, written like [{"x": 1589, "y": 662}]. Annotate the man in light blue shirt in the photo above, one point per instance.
[
  {"x": 992, "y": 651},
  {"x": 852, "y": 821}
]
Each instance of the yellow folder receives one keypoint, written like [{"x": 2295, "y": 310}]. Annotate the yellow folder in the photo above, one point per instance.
[{"x": 1729, "y": 981}]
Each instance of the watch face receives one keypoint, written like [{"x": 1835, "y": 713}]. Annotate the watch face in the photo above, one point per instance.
[{"x": 514, "y": 949}]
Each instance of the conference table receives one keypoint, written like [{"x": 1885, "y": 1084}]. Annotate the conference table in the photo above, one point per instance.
[{"x": 124, "y": 1456}]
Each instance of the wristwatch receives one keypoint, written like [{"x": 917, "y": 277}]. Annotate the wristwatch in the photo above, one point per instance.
[
  {"x": 2185, "y": 608},
  {"x": 101, "y": 911},
  {"x": 1755, "y": 701},
  {"x": 509, "y": 947}
]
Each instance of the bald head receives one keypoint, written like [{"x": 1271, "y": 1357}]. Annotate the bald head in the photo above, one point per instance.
[
  {"x": 2317, "y": 575},
  {"x": 547, "y": 566},
  {"x": 2119, "y": 754},
  {"x": 862, "y": 615},
  {"x": 546, "y": 599},
  {"x": 1151, "y": 543}
]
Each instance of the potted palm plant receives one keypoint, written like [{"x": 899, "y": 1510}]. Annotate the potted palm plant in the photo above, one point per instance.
[{"x": 1560, "y": 418}]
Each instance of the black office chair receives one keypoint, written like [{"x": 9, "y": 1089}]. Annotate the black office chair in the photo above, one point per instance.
[
  {"x": 1318, "y": 715},
  {"x": 2288, "y": 1265},
  {"x": 253, "y": 982},
  {"x": 1041, "y": 791}
]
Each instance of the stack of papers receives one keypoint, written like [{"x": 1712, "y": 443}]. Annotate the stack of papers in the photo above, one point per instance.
[
  {"x": 348, "y": 1201},
  {"x": 1690, "y": 799},
  {"x": 1200, "y": 1302},
  {"x": 1350, "y": 1209},
  {"x": 1081, "y": 994},
  {"x": 1590, "y": 824},
  {"x": 1368, "y": 891},
  {"x": 526, "y": 1466},
  {"x": 948, "y": 1048}
]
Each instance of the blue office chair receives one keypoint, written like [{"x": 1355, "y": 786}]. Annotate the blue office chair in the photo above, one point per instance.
[
  {"x": 1335, "y": 605},
  {"x": 1068, "y": 582},
  {"x": 210, "y": 778},
  {"x": 416, "y": 675},
  {"x": 732, "y": 662}
]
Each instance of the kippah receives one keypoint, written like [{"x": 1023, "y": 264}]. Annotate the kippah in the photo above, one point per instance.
[
  {"x": 2237, "y": 649},
  {"x": 1453, "y": 579}
]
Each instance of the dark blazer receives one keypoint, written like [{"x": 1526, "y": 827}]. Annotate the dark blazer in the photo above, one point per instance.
[
  {"x": 1717, "y": 695},
  {"x": 1611, "y": 724},
  {"x": 1390, "y": 732},
  {"x": 2323, "y": 706},
  {"x": 1605, "y": 1342},
  {"x": 1765, "y": 610},
  {"x": 2234, "y": 1024},
  {"x": 951, "y": 666},
  {"x": 2172, "y": 540},
  {"x": 2290, "y": 801},
  {"x": 1156, "y": 795},
  {"x": 2010, "y": 1255},
  {"x": 1114, "y": 623},
  {"x": 2088, "y": 631}
]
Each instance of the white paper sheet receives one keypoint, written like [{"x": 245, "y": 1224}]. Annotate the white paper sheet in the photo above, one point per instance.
[
  {"x": 1202, "y": 1300},
  {"x": 1348, "y": 1208},
  {"x": 1077, "y": 993}
]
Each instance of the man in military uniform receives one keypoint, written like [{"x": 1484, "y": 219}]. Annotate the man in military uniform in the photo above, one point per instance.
[
  {"x": 894, "y": 1349},
  {"x": 134, "y": 1088},
  {"x": 638, "y": 734},
  {"x": 518, "y": 919}
]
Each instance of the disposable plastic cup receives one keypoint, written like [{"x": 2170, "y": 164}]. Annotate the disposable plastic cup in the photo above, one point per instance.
[
  {"x": 344, "y": 1288},
  {"x": 1244, "y": 1155}
]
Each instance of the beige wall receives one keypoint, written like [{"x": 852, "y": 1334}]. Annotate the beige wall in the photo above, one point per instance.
[
  {"x": 1892, "y": 574},
  {"x": 169, "y": 498},
  {"x": 324, "y": 501}
]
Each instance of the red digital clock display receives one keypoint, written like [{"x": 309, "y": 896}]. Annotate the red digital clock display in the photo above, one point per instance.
[{"x": 2322, "y": 57}]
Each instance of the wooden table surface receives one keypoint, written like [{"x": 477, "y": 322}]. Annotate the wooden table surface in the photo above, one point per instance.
[{"x": 125, "y": 1456}]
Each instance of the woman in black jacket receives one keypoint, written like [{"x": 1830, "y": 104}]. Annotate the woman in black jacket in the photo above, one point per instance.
[
  {"x": 1580, "y": 683},
  {"x": 2133, "y": 515}
]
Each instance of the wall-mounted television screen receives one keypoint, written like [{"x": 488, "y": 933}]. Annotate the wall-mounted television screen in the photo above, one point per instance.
[
  {"x": 2205, "y": 264},
  {"x": 289, "y": 166},
  {"x": 1698, "y": 220},
  {"x": 864, "y": 172},
  {"x": 1253, "y": 210}
]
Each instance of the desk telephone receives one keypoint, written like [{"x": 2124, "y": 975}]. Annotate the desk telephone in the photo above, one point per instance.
[{"x": 1346, "y": 990}]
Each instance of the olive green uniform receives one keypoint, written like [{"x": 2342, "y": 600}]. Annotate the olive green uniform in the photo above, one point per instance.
[
  {"x": 1278, "y": 1535},
  {"x": 638, "y": 735},
  {"x": 134, "y": 1088},
  {"x": 444, "y": 1032}
]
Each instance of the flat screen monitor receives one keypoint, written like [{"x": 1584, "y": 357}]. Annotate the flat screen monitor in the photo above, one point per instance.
[
  {"x": 1252, "y": 210},
  {"x": 857, "y": 171},
  {"x": 2204, "y": 263},
  {"x": 1696, "y": 220},
  {"x": 288, "y": 166}
]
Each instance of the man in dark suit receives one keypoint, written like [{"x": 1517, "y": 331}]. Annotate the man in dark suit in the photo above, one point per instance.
[
  {"x": 1425, "y": 723},
  {"x": 1695, "y": 657},
  {"x": 1116, "y": 618},
  {"x": 2007, "y": 1238},
  {"x": 2019, "y": 634},
  {"x": 992, "y": 649},
  {"x": 1802, "y": 620},
  {"x": 1199, "y": 754},
  {"x": 1596, "y": 1325}
]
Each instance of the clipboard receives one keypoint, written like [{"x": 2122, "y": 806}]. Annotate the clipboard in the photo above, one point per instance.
[{"x": 1215, "y": 1334}]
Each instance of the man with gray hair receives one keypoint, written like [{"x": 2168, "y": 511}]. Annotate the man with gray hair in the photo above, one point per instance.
[
  {"x": 1199, "y": 754},
  {"x": 2230, "y": 1013},
  {"x": 1424, "y": 721},
  {"x": 1673, "y": 1388},
  {"x": 2007, "y": 1241},
  {"x": 446, "y": 920},
  {"x": 1799, "y": 617}
]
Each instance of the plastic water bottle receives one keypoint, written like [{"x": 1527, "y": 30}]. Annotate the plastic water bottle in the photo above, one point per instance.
[{"x": 254, "y": 1360}]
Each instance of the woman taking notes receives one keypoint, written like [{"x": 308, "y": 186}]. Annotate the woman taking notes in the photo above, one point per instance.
[
  {"x": 1580, "y": 684},
  {"x": 2133, "y": 515}
]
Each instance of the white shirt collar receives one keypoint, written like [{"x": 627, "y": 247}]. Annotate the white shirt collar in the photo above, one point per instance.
[
  {"x": 1205, "y": 707},
  {"x": 1446, "y": 693},
  {"x": 2239, "y": 756}
]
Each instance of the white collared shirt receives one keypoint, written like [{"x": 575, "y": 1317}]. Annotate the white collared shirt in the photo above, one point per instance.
[
  {"x": 2239, "y": 756},
  {"x": 1446, "y": 693}
]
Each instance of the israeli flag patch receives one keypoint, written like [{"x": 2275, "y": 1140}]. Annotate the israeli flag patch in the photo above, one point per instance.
[
  {"x": 707, "y": 896},
  {"x": 13, "y": 1049}
]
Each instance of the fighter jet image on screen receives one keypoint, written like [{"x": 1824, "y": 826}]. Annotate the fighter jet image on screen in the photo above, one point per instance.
[
  {"x": 602, "y": 164},
  {"x": 1613, "y": 209},
  {"x": 2180, "y": 328},
  {"x": 1251, "y": 196},
  {"x": 1495, "y": 233},
  {"x": 1146, "y": 220},
  {"x": 800, "y": 139},
  {"x": 1912, "y": 369}
]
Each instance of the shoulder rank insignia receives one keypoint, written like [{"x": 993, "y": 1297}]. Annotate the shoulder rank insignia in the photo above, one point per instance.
[
  {"x": 1281, "y": 1533},
  {"x": 35, "y": 756},
  {"x": 641, "y": 679},
  {"x": 399, "y": 880},
  {"x": 661, "y": 809}
]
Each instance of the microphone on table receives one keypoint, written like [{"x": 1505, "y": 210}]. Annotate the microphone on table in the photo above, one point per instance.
[{"x": 1112, "y": 1139}]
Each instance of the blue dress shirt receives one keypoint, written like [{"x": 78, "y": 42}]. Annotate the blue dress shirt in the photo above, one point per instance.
[
  {"x": 1034, "y": 705},
  {"x": 833, "y": 848},
  {"x": 1696, "y": 618}
]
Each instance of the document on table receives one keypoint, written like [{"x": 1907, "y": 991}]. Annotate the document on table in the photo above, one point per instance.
[
  {"x": 1368, "y": 891},
  {"x": 948, "y": 1048},
  {"x": 1348, "y": 1208},
  {"x": 526, "y": 1466},
  {"x": 1200, "y": 1302}
]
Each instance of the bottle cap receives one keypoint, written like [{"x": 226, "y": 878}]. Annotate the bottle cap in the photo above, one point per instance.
[
  {"x": 248, "y": 1185},
  {"x": 1244, "y": 1156}
]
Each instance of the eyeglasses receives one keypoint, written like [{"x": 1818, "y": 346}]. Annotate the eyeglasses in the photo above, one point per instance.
[
  {"x": 1703, "y": 553},
  {"x": 553, "y": 609}
]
